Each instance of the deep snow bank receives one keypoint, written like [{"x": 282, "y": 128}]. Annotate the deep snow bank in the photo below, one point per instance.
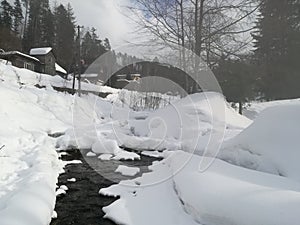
[
  {"x": 28, "y": 158},
  {"x": 256, "y": 108},
  {"x": 223, "y": 194},
  {"x": 188, "y": 124},
  {"x": 24, "y": 76},
  {"x": 270, "y": 144},
  {"x": 29, "y": 162}
]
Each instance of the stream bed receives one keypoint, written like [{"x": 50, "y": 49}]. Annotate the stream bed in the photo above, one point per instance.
[{"x": 82, "y": 205}]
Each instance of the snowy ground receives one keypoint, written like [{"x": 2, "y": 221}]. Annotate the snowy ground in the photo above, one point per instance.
[
  {"x": 255, "y": 108},
  {"x": 254, "y": 179},
  {"x": 29, "y": 161}
]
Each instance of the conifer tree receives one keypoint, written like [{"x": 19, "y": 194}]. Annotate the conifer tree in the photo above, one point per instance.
[
  {"x": 64, "y": 35},
  {"x": 40, "y": 30},
  {"x": 6, "y": 15},
  {"x": 17, "y": 16},
  {"x": 278, "y": 49},
  {"x": 92, "y": 46}
]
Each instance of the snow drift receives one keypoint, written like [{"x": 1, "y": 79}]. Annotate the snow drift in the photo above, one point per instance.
[
  {"x": 270, "y": 144},
  {"x": 191, "y": 122},
  {"x": 224, "y": 194}
]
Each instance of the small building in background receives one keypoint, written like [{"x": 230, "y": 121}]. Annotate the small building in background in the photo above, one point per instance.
[
  {"x": 21, "y": 60},
  {"x": 41, "y": 60},
  {"x": 46, "y": 58}
]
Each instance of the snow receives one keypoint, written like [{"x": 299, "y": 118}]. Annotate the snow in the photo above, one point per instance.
[
  {"x": 256, "y": 108},
  {"x": 254, "y": 179},
  {"x": 111, "y": 148},
  {"x": 258, "y": 183},
  {"x": 40, "y": 51},
  {"x": 186, "y": 124},
  {"x": 95, "y": 75},
  {"x": 125, "y": 155},
  {"x": 72, "y": 180},
  {"x": 273, "y": 138},
  {"x": 127, "y": 171},
  {"x": 154, "y": 154},
  {"x": 105, "y": 157},
  {"x": 91, "y": 154},
  {"x": 58, "y": 68},
  {"x": 65, "y": 163},
  {"x": 54, "y": 215},
  {"x": 224, "y": 194},
  {"x": 106, "y": 147},
  {"x": 19, "y": 53},
  {"x": 60, "y": 192},
  {"x": 29, "y": 161},
  {"x": 64, "y": 187}
]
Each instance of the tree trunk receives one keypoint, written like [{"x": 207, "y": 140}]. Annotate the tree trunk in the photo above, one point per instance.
[
  {"x": 241, "y": 108},
  {"x": 198, "y": 26}
]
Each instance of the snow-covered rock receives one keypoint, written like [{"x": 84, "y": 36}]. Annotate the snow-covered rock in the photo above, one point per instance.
[{"x": 127, "y": 171}]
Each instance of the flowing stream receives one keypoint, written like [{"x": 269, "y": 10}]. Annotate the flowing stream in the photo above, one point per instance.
[{"x": 82, "y": 205}]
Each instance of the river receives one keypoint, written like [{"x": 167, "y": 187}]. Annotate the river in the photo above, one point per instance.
[{"x": 82, "y": 205}]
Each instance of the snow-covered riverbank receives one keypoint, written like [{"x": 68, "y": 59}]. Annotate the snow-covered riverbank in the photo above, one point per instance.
[
  {"x": 30, "y": 118},
  {"x": 254, "y": 179}
]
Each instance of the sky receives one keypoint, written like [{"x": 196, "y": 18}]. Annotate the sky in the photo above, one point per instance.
[
  {"x": 106, "y": 16},
  {"x": 111, "y": 19}
]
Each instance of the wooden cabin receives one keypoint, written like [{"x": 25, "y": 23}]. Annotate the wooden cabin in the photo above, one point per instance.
[
  {"x": 41, "y": 60},
  {"x": 21, "y": 60},
  {"x": 46, "y": 58}
]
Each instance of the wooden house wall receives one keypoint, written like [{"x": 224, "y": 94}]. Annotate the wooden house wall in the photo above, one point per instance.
[{"x": 47, "y": 63}]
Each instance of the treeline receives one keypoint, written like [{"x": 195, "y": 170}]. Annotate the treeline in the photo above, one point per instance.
[
  {"x": 277, "y": 48},
  {"x": 28, "y": 24},
  {"x": 272, "y": 70}
]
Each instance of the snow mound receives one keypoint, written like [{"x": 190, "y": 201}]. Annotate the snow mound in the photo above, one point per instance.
[
  {"x": 106, "y": 147},
  {"x": 112, "y": 149},
  {"x": 256, "y": 108},
  {"x": 105, "y": 157},
  {"x": 223, "y": 194},
  {"x": 271, "y": 143},
  {"x": 190, "y": 122},
  {"x": 127, "y": 171},
  {"x": 125, "y": 155}
]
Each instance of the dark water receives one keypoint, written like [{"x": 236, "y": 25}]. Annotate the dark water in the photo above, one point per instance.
[{"x": 82, "y": 205}]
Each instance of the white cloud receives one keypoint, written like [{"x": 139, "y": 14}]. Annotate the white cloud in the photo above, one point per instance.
[{"x": 106, "y": 16}]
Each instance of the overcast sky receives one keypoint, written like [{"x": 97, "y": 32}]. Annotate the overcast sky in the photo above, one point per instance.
[{"x": 106, "y": 16}]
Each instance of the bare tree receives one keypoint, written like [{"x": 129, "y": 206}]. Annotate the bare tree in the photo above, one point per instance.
[{"x": 209, "y": 28}]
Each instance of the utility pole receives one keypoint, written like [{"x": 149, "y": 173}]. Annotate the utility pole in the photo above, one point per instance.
[
  {"x": 74, "y": 77},
  {"x": 79, "y": 60}
]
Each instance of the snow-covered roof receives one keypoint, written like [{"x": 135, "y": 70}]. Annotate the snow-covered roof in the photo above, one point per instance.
[
  {"x": 40, "y": 51},
  {"x": 58, "y": 68},
  {"x": 18, "y": 53}
]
